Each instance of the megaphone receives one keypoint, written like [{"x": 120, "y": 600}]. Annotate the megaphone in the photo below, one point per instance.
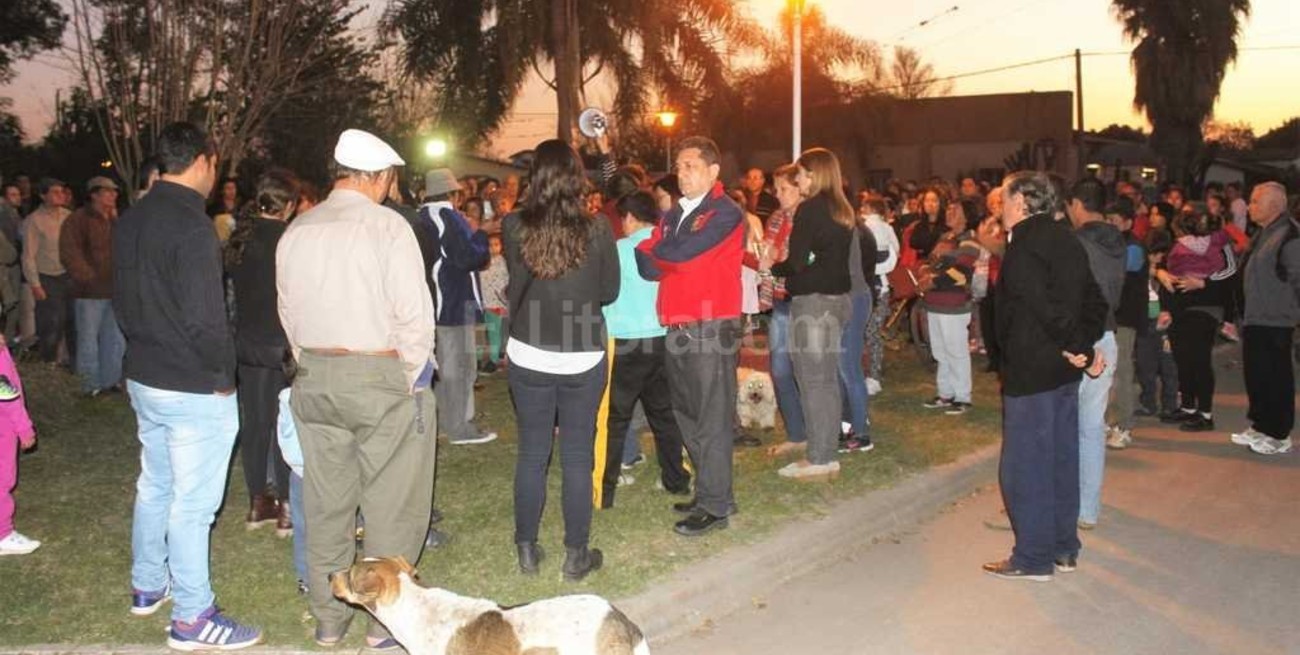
[{"x": 593, "y": 123}]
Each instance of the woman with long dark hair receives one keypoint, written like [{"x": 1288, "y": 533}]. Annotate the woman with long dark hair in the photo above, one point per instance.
[
  {"x": 816, "y": 272},
  {"x": 563, "y": 266},
  {"x": 260, "y": 344}
]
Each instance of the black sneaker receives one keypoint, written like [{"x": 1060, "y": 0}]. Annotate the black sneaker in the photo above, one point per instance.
[
  {"x": 1007, "y": 571},
  {"x": 1067, "y": 563},
  {"x": 857, "y": 444},
  {"x": 1177, "y": 416},
  {"x": 1197, "y": 424},
  {"x": 938, "y": 403},
  {"x": 957, "y": 409}
]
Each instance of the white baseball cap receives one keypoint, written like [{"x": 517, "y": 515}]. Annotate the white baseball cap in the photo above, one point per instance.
[{"x": 363, "y": 151}]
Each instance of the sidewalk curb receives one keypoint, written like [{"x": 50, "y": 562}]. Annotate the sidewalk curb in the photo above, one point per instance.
[
  {"x": 705, "y": 591},
  {"x": 711, "y": 589}
]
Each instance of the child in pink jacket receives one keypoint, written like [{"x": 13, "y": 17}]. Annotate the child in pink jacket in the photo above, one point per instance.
[{"x": 15, "y": 429}]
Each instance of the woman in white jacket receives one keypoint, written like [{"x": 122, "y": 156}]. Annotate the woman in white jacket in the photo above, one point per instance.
[{"x": 873, "y": 211}]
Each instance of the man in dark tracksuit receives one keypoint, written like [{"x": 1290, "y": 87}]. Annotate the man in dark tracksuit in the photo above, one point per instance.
[
  {"x": 1050, "y": 313},
  {"x": 695, "y": 254}
]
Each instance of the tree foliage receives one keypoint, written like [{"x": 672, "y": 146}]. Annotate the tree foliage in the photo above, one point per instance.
[
  {"x": 1285, "y": 136},
  {"x": 479, "y": 53},
  {"x": 1238, "y": 136},
  {"x": 26, "y": 28},
  {"x": 1181, "y": 55},
  {"x": 229, "y": 65},
  {"x": 912, "y": 78}
]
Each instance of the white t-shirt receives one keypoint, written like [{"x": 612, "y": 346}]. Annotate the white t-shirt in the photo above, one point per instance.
[{"x": 885, "y": 240}]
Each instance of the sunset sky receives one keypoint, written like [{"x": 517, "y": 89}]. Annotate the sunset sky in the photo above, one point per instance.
[{"x": 980, "y": 34}]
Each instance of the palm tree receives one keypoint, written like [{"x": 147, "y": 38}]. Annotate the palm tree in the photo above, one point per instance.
[
  {"x": 1182, "y": 51},
  {"x": 480, "y": 52},
  {"x": 753, "y": 112}
]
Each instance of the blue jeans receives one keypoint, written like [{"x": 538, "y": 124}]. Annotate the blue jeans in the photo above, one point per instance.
[
  {"x": 1039, "y": 475},
  {"x": 186, "y": 443},
  {"x": 852, "y": 382},
  {"x": 100, "y": 344},
  {"x": 1093, "y": 395},
  {"x": 299, "y": 525},
  {"x": 782, "y": 369}
]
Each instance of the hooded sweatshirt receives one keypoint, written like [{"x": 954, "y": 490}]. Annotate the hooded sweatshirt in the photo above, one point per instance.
[{"x": 1106, "y": 248}]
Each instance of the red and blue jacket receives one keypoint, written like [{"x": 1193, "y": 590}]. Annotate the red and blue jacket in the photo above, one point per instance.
[{"x": 696, "y": 259}]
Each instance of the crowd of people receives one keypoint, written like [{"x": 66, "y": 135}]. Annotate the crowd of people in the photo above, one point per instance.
[{"x": 336, "y": 337}]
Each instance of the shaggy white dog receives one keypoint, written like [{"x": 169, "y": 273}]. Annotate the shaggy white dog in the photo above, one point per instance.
[{"x": 755, "y": 399}]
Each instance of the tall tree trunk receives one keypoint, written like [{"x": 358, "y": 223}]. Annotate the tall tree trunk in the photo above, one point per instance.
[{"x": 568, "y": 66}]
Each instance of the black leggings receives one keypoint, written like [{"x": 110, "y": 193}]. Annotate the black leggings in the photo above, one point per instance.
[{"x": 1191, "y": 337}]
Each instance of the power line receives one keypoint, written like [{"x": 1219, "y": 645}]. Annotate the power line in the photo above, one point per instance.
[{"x": 986, "y": 71}]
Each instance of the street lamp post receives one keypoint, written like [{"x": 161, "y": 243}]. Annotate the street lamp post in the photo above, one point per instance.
[
  {"x": 797, "y": 127},
  {"x": 667, "y": 119}
]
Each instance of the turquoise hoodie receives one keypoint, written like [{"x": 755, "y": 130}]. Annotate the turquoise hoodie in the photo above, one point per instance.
[{"x": 632, "y": 315}]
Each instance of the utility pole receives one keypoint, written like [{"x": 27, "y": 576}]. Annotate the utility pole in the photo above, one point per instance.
[
  {"x": 1078, "y": 99},
  {"x": 797, "y": 127}
]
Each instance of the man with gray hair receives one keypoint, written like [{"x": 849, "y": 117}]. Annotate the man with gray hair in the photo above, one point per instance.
[
  {"x": 1050, "y": 313},
  {"x": 1272, "y": 290},
  {"x": 359, "y": 319}
]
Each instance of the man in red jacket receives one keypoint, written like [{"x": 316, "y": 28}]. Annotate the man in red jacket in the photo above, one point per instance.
[{"x": 695, "y": 254}]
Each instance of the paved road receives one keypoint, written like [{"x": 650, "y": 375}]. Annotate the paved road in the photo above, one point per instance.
[{"x": 1197, "y": 551}]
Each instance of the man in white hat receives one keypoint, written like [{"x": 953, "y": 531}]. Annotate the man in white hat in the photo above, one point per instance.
[
  {"x": 460, "y": 250},
  {"x": 86, "y": 251},
  {"x": 359, "y": 319}
]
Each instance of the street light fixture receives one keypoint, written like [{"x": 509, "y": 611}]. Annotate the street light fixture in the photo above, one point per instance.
[
  {"x": 667, "y": 119},
  {"x": 436, "y": 148}
]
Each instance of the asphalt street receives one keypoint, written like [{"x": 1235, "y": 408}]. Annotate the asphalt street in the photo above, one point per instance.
[{"x": 1197, "y": 551}]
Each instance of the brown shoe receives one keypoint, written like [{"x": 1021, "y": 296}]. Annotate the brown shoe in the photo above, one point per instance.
[
  {"x": 263, "y": 509},
  {"x": 283, "y": 522}
]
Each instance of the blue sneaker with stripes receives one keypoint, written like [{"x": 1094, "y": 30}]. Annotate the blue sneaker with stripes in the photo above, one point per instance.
[
  {"x": 212, "y": 631},
  {"x": 144, "y": 603}
]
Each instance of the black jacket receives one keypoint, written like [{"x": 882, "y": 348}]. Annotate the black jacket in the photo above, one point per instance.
[
  {"x": 564, "y": 314},
  {"x": 818, "y": 256},
  {"x": 168, "y": 294},
  {"x": 1048, "y": 303},
  {"x": 259, "y": 337}
]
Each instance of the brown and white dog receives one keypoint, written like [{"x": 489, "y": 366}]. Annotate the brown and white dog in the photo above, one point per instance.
[
  {"x": 432, "y": 621},
  {"x": 755, "y": 399}
]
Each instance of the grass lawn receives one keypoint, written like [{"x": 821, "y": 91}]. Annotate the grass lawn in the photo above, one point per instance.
[{"x": 76, "y": 495}]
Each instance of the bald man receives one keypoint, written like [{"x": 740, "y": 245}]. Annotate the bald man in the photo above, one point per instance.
[{"x": 1272, "y": 286}]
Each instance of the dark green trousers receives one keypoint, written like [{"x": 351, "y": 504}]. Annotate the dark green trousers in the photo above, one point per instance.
[{"x": 367, "y": 444}]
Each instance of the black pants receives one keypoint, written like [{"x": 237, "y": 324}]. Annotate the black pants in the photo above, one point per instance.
[
  {"x": 639, "y": 374},
  {"x": 989, "y": 329},
  {"x": 1156, "y": 371},
  {"x": 1192, "y": 336},
  {"x": 543, "y": 401},
  {"x": 259, "y": 411},
  {"x": 1270, "y": 379},
  {"x": 54, "y": 318},
  {"x": 701, "y": 365}
]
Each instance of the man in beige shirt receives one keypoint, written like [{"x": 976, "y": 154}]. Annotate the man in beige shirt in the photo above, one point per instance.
[
  {"x": 359, "y": 318},
  {"x": 50, "y": 284}
]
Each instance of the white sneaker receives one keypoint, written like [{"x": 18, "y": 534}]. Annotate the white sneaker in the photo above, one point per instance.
[
  {"x": 1247, "y": 438},
  {"x": 477, "y": 438},
  {"x": 873, "y": 386},
  {"x": 808, "y": 470},
  {"x": 626, "y": 480},
  {"x": 1269, "y": 446},
  {"x": 1119, "y": 439},
  {"x": 18, "y": 544}
]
